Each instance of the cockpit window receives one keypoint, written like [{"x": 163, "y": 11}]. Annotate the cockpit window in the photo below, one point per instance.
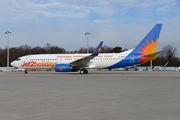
[{"x": 18, "y": 59}]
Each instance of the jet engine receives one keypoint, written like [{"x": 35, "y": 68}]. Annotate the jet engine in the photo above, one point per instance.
[{"x": 64, "y": 68}]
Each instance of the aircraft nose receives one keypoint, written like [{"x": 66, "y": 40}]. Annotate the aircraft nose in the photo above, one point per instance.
[{"x": 13, "y": 63}]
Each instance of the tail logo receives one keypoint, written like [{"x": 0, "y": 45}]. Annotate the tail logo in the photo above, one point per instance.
[
  {"x": 99, "y": 49},
  {"x": 147, "y": 48}
]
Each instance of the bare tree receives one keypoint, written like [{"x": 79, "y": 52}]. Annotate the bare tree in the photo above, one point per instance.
[
  {"x": 82, "y": 50},
  {"x": 48, "y": 47},
  {"x": 171, "y": 52},
  {"x": 106, "y": 49}
]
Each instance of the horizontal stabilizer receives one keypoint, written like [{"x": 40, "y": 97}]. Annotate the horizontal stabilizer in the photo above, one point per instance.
[{"x": 155, "y": 54}]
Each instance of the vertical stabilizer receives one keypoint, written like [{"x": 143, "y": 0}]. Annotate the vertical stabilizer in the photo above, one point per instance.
[
  {"x": 148, "y": 44},
  {"x": 145, "y": 50},
  {"x": 150, "y": 41},
  {"x": 98, "y": 49}
]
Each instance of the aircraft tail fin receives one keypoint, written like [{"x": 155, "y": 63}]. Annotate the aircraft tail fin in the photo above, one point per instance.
[
  {"x": 144, "y": 52},
  {"x": 147, "y": 47},
  {"x": 98, "y": 49}
]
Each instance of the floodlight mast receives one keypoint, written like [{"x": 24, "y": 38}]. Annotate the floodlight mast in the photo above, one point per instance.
[
  {"x": 7, "y": 48},
  {"x": 87, "y": 41}
]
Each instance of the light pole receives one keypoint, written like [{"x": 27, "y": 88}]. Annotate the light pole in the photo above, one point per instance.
[
  {"x": 7, "y": 48},
  {"x": 87, "y": 40}
]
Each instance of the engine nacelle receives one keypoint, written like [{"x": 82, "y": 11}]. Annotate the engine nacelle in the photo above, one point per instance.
[
  {"x": 65, "y": 68},
  {"x": 62, "y": 68}
]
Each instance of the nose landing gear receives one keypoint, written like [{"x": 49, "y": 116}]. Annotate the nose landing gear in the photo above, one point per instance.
[{"x": 25, "y": 72}]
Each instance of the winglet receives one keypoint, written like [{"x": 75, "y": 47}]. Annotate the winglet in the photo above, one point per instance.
[{"x": 98, "y": 49}]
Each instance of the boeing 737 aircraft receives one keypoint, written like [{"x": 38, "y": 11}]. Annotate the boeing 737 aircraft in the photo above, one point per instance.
[{"x": 144, "y": 52}]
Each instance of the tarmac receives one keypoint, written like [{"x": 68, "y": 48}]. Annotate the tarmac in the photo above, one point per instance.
[{"x": 99, "y": 95}]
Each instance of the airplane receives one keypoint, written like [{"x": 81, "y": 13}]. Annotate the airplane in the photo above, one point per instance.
[{"x": 145, "y": 51}]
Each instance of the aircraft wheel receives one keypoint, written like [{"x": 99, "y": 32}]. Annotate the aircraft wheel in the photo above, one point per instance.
[
  {"x": 86, "y": 72},
  {"x": 83, "y": 71},
  {"x": 25, "y": 72}
]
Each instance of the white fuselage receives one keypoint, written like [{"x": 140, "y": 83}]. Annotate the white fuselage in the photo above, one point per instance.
[{"x": 45, "y": 61}]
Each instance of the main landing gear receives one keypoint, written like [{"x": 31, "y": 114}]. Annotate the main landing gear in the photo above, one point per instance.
[
  {"x": 83, "y": 71},
  {"x": 25, "y": 72}
]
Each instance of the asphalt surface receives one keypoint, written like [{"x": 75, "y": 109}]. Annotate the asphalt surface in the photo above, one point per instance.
[{"x": 99, "y": 95}]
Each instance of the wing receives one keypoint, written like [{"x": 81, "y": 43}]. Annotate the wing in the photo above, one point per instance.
[{"x": 86, "y": 60}]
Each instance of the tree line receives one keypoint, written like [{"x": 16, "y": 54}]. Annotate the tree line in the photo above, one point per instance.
[{"x": 14, "y": 52}]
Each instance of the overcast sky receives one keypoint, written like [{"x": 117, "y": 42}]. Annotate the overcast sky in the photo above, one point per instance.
[{"x": 64, "y": 22}]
